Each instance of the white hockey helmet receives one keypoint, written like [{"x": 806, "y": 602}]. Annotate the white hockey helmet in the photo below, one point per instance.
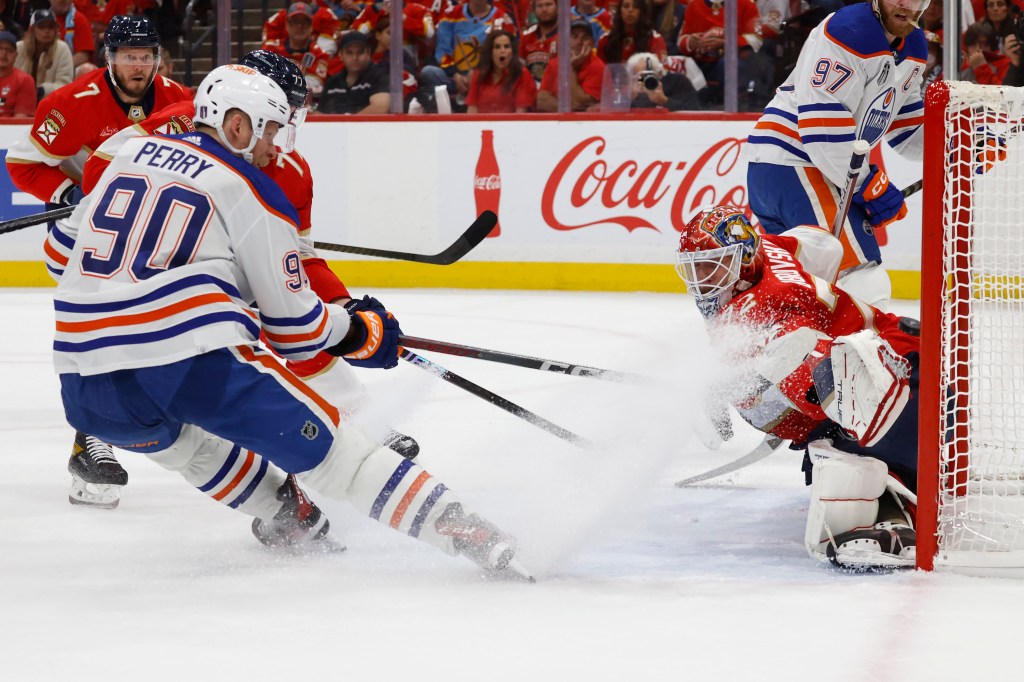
[{"x": 239, "y": 87}]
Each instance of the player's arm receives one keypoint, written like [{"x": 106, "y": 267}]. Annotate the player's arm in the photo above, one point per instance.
[
  {"x": 295, "y": 322},
  {"x": 34, "y": 162},
  {"x": 906, "y": 134}
]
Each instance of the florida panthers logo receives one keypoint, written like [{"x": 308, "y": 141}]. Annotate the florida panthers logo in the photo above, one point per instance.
[{"x": 732, "y": 227}]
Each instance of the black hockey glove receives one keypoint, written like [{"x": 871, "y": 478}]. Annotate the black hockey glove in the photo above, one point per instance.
[{"x": 372, "y": 339}]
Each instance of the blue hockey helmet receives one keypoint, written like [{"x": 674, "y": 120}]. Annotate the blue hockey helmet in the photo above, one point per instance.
[
  {"x": 282, "y": 71},
  {"x": 131, "y": 31}
]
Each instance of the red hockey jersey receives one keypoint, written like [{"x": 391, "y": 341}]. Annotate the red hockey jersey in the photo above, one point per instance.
[
  {"x": 73, "y": 121},
  {"x": 788, "y": 298}
]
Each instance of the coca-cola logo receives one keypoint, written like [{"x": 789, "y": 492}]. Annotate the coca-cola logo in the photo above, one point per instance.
[
  {"x": 631, "y": 195},
  {"x": 487, "y": 181}
]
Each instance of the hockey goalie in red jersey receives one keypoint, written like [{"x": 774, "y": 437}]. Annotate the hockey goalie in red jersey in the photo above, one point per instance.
[{"x": 820, "y": 368}]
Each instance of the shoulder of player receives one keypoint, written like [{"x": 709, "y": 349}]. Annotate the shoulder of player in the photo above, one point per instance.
[
  {"x": 91, "y": 83},
  {"x": 172, "y": 88},
  {"x": 856, "y": 29},
  {"x": 260, "y": 186},
  {"x": 916, "y": 46}
]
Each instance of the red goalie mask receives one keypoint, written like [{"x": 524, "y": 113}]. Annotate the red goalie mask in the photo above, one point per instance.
[{"x": 719, "y": 254}]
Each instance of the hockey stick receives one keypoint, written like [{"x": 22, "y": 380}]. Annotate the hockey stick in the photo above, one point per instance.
[
  {"x": 491, "y": 397},
  {"x": 36, "y": 219},
  {"x": 860, "y": 151},
  {"x": 769, "y": 445},
  {"x": 517, "y": 360},
  {"x": 480, "y": 228}
]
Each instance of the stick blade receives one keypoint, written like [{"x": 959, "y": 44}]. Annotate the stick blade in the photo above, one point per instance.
[{"x": 469, "y": 240}]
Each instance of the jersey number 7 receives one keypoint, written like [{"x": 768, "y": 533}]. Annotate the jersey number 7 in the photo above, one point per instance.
[{"x": 165, "y": 238}]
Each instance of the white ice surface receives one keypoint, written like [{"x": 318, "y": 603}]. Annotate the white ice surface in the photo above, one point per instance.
[{"x": 638, "y": 580}]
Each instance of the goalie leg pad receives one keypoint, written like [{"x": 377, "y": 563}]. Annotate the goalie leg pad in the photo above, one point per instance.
[
  {"x": 844, "y": 495},
  {"x": 869, "y": 385}
]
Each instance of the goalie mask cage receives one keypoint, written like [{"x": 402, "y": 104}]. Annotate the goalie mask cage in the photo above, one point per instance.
[{"x": 971, "y": 439}]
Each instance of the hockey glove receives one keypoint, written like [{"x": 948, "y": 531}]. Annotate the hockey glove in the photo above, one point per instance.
[
  {"x": 372, "y": 339},
  {"x": 991, "y": 149},
  {"x": 882, "y": 202}
]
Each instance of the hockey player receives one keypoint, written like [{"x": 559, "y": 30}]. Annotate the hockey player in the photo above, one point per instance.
[
  {"x": 335, "y": 380},
  {"x": 70, "y": 123},
  {"x": 285, "y": 516},
  {"x": 820, "y": 368},
  {"x": 858, "y": 77},
  {"x": 292, "y": 173},
  {"x": 155, "y": 341}
]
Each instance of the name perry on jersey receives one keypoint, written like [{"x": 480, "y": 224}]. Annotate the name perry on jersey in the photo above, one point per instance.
[{"x": 171, "y": 159}]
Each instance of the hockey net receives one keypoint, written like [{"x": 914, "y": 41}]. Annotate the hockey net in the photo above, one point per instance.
[{"x": 971, "y": 479}]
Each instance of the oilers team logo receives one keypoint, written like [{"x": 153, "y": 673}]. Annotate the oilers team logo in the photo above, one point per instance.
[{"x": 877, "y": 116}]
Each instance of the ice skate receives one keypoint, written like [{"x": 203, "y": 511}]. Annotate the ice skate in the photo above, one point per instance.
[
  {"x": 299, "y": 525},
  {"x": 481, "y": 542},
  {"x": 884, "y": 546},
  {"x": 404, "y": 445},
  {"x": 96, "y": 475}
]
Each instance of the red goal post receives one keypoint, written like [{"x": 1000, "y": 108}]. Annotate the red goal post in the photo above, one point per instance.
[{"x": 971, "y": 430}]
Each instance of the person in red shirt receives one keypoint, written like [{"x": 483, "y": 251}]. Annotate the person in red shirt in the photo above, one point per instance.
[
  {"x": 539, "y": 42},
  {"x": 631, "y": 33},
  {"x": 500, "y": 84},
  {"x": 981, "y": 63},
  {"x": 324, "y": 25},
  {"x": 587, "y": 72},
  {"x": 702, "y": 35},
  {"x": 75, "y": 29},
  {"x": 301, "y": 46},
  {"x": 17, "y": 89}
]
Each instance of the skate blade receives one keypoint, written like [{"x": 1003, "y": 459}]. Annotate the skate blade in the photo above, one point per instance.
[
  {"x": 855, "y": 561},
  {"x": 95, "y": 495},
  {"x": 519, "y": 570}
]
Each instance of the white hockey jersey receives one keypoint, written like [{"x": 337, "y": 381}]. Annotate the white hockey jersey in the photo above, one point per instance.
[
  {"x": 183, "y": 248},
  {"x": 848, "y": 83}
]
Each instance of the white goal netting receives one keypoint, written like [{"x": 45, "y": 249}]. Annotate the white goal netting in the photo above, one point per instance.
[{"x": 981, "y": 456}]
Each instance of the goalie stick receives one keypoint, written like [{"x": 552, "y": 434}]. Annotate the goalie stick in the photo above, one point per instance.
[
  {"x": 475, "y": 234},
  {"x": 460, "y": 350},
  {"x": 769, "y": 445},
  {"x": 491, "y": 397},
  {"x": 36, "y": 219}
]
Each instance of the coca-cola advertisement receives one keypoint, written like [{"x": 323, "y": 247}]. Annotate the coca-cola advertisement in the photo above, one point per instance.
[{"x": 565, "y": 191}]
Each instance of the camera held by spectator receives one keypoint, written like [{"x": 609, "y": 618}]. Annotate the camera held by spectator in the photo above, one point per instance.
[{"x": 653, "y": 86}]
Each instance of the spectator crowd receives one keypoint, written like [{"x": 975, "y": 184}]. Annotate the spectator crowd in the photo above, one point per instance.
[{"x": 500, "y": 56}]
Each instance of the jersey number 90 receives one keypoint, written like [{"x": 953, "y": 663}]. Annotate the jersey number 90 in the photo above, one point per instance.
[{"x": 165, "y": 238}]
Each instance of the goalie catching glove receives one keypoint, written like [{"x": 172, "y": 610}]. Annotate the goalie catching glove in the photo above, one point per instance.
[
  {"x": 882, "y": 202},
  {"x": 372, "y": 338},
  {"x": 863, "y": 385}
]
